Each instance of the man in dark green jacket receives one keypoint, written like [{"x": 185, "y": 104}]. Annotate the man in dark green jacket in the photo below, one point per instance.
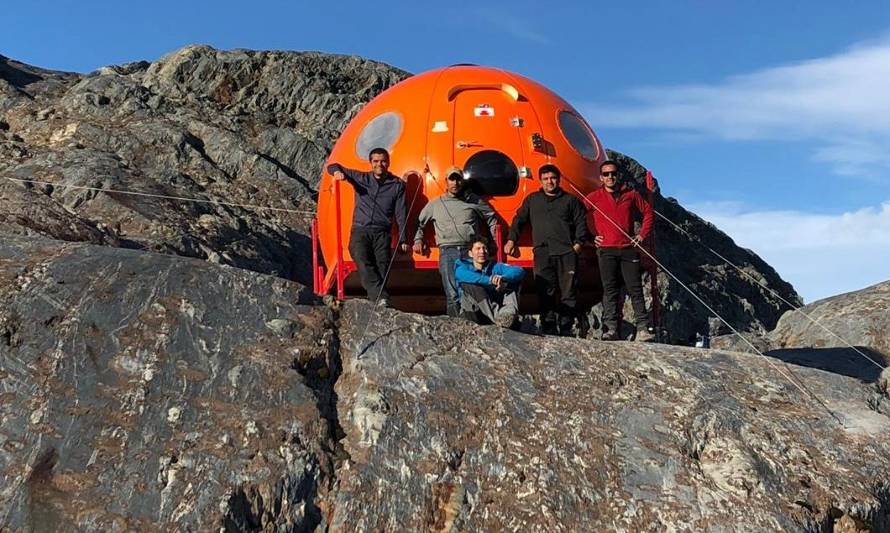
[{"x": 559, "y": 228}]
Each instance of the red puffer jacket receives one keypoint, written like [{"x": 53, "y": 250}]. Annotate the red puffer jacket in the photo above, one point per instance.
[{"x": 605, "y": 211}]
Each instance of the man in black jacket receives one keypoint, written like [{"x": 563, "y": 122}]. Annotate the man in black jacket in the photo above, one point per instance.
[
  {"x": 559, "y": 228},
  {"x": 379, "y": 197}
]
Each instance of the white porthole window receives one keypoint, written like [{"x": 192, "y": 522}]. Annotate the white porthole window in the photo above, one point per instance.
[
  {"x": 381, "y": 132},
  {"x": 578, "y": 134}
]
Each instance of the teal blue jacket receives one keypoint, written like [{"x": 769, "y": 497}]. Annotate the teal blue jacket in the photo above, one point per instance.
[{"x": 466, "y": 272}]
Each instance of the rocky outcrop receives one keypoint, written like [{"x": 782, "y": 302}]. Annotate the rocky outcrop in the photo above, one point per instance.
[
  {"x": 845, "y": 334},
  {"x": 848, "y": 333},
  {"x": 860, "y": 318},
  {"x": 239, "y": 127},
  {"x": 147, "y": 391},
  {"x": 253, "y": 128},
  {"x": 453, "y": 427}
]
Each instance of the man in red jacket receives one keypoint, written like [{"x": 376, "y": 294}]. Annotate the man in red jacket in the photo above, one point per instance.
[{"x": 613, "y": 208}]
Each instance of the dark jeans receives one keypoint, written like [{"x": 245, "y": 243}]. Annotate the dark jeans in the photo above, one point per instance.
[
  {"x": 371, "y": 251},
  {"x": 447, "y": 256},
  {"x": 557, "y": 285},
  {"x": 617, "y": 264}
]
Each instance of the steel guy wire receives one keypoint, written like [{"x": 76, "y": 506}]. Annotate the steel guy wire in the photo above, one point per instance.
[
  {"x": 392, "y": 258},
  {"x": 162, "y": 196},
  {"x": 791, "y": 380},
  {"x": 697, "y": 239}
]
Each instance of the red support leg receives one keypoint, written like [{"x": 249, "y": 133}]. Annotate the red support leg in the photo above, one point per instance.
[
  {"x": 316, "y": 282},
  {"x": 341, "y": 272},
  {"x": 653, "y": 268}
]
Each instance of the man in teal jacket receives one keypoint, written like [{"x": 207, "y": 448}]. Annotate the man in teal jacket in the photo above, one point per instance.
[{"x": 489, "y": 291}]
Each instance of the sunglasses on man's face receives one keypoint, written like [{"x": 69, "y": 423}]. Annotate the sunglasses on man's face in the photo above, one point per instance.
[
  {"x": 455, "y": 177},
  {"x": 610, "y": 174}
]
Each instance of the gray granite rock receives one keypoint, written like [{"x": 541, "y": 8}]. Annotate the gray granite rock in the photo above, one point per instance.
[
  {"x": 455, "y": 427},
  {"x": 844, "y": 334},
  {"x": 153, "y": 392},
  {"x": 143, "y": 392},
  {"x": 242, "y": 127},
  {"x": 860, "y": 318}
]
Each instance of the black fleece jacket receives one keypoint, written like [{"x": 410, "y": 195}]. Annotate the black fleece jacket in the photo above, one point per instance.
[{"x": 558, "y": 222}]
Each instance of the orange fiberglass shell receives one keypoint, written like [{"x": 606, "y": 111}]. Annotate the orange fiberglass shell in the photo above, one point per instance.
[{"x": 497, "y": 126}]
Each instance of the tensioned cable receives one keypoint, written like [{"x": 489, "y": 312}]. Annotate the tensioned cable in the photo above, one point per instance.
[
  {"x": 392, "y": 259},
  {"x": 401, "y": 238},
  {"x": 706, "y": 400},
  {"x": 697, "y": 239},
  {"x": 700, "y": 396},
  {"x": 228, "y": 204},
  {"x": 790, "y": 379},
  {"x": 162, "y": 196}
]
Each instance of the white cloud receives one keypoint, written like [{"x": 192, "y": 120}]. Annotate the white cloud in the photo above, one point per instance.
[
  {"x": 857, "y": 156},
  {"x": 820, "y": 254},
  {"x": 508, "y": 23},
  {"x": 840, "y": 101}
]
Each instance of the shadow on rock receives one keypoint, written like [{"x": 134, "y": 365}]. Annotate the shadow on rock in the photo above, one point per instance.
[
  {"x": 16, "y": 76},
  {"x": 843, "y": 361}
]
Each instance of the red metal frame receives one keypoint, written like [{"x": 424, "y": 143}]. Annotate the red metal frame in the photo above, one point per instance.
[
  {"x": 317, "y": 270},
  {"x": 650, "y": 245},
  {"x": 341, "y": 270}
]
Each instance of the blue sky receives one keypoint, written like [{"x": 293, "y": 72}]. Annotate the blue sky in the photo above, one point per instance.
[{"x": 770, "y": 119}]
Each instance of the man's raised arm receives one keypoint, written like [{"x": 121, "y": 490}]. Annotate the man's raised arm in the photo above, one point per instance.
[{"x": 355, "y": 177}]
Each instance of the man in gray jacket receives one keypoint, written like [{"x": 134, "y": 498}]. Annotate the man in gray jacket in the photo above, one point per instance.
[{"x": 457, "y": 217}]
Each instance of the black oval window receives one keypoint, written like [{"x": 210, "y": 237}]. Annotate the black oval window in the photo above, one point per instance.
[
  {"x": 491, "y": 173},
  {"x": 578, "y": 134}
]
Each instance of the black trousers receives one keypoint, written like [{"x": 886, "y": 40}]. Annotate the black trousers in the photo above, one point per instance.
[
  {"x": 617, "y": 265},
  {"x": 371, "y": 251},
  {"x": 556, "y": 283}
]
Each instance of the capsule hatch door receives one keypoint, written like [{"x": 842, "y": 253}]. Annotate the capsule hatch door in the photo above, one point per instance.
[{"x": 487, "y": 141}]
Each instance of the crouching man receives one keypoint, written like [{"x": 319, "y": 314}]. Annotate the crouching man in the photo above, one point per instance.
[{"x": 489, "y": 291}]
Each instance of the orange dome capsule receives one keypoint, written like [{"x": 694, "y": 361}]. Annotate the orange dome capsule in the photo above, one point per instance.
[{"x": 498, "y": 126}]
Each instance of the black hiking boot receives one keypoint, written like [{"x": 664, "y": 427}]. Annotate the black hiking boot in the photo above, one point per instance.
[{"x": 549, "y": 328}]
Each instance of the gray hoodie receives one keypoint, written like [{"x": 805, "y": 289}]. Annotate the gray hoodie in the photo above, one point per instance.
[{"x": 456, "y": 219}]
